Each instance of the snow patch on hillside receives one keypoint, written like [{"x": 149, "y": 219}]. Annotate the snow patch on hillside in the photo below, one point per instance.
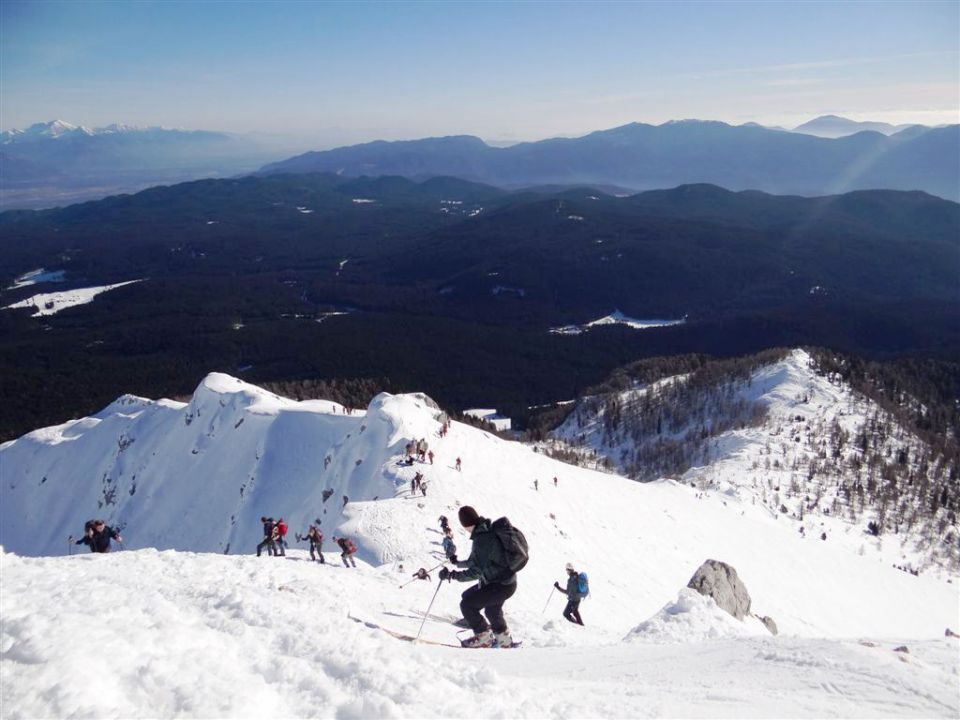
[
  {"x": 615, "y": 318},
  {"x": 52, "y": 303},
  {"x": 34, "y": 277}
]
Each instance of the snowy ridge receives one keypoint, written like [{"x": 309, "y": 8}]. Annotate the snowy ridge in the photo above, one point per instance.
[
  {"x": 794, "y": 464},
  {"x": 192, "y": 480}
]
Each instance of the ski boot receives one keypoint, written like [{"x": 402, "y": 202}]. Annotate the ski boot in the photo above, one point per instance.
[
  {"x": 480, "y": 640},
  {"x": 503, "y": 640}
]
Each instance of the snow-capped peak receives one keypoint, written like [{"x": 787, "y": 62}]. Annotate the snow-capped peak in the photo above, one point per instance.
[{"x": 53, "y": 129}]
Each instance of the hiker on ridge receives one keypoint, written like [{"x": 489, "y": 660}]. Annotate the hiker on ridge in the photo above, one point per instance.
[
  {"x": 349, "y": 550},
  {"x": 97, "y": 534},
  {"x": 316, "y": 544},
  {"x": 268, "y": 541}
]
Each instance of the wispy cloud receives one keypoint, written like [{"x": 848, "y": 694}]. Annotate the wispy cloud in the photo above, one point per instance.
[
  {"x": 813, "y": 65},
  {"x": 794, "y": 82}
]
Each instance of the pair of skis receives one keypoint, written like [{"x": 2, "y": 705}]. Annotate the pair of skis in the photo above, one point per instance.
[{"x": 410, "y": 638}]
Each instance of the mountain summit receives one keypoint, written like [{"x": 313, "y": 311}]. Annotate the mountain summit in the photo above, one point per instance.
[{"x": 834, "y": 126}]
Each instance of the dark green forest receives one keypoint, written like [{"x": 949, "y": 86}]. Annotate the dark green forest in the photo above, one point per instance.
[{"x": 451, "y": 287}]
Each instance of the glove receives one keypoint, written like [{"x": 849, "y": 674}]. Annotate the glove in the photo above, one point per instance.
[
  {"x": 453, "y": 559},
  {"x": 446, "y": 574},
  {"x": 557, "y": 585}
]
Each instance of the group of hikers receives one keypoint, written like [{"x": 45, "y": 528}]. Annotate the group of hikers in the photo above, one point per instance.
[
  {"x": 417, "y": 482},
  {"x": 419, "y": 449},
  {"x": 499, "y": 551},
  {"x": 275, "y": 532},
  {"x": 536, "y": 483}
]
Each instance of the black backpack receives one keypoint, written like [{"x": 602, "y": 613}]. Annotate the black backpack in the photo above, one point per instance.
[{"x": 515, "y": 548}]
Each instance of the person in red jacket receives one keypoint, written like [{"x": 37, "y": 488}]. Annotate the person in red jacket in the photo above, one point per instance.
[
  {"x": 279, "y": 533},
  {"x": 349, "y": 550}
]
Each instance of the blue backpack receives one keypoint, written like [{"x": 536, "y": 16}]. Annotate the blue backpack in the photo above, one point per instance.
[{"x": 583, "y": 585}]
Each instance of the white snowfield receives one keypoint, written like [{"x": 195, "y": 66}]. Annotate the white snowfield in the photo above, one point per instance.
[
  {"x": 172, "y": 634},
  {"x": 189, "y": 631},
  {"x": 52, "y": 303}
]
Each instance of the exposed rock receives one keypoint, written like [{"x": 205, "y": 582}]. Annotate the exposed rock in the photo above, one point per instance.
[
  {"x": 770, "y": 624},
  {"x": 950, "y": 633},
  {"x": 903, "y": 649},
  {"x": 719, "y": 581}
]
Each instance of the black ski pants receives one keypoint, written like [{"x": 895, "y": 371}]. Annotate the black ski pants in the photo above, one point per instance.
[
  {"x": 269, "y": 545},
  {"x": 572, "y": 612},
  {"x": 489, "y": 598},
  {"x": 315, "y": 551}
]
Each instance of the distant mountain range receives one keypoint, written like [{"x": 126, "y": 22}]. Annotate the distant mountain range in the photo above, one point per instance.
[
  {"x": 58, "y": 162},
  {"x": 642, "y": 157},
  {"x": 834, "y": 126}
]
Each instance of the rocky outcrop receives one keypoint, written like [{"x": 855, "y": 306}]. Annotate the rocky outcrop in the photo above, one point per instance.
[
  {"x": 769, "y": 624},
  {"x": 720, "y": 581}
]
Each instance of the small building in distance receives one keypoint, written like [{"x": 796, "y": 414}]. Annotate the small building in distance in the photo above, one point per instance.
[{"x": 491, "y": 416}]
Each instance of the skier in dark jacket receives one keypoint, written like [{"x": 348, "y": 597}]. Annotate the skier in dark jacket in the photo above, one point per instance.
[
  {"x": 316, "y": 544},
  {"x": 488, "y": 564},
  {"x": 572, "y": 611},
  {"x": 98, "y": 536},
  {"x": 267, "y": 541}
]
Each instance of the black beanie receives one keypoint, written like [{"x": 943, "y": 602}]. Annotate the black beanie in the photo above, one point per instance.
[{"x": 468, "y": 516}]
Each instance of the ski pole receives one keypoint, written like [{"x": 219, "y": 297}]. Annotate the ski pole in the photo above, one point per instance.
[
  {"x": 424, "y": 621},
  {"x": 417, "y": 577},
  {"x": 549, "y": 598}
]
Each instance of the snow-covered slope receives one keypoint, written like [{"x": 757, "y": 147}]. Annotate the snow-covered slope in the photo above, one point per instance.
[
  {"x": 198, "y": 477},
  {"x": 805, "y": 462},
  {"x": 169, "y": 634},
  {"x": 274, "y": 633}
]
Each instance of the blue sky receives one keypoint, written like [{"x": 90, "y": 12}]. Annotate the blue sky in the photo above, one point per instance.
[{"x": 332, "y": 73}]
